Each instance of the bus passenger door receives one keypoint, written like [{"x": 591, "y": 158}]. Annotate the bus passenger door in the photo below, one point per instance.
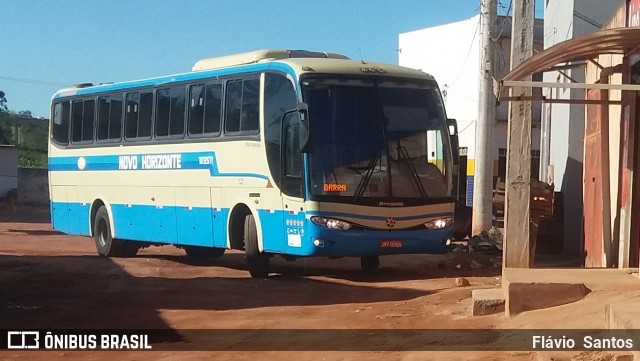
[{"x": 293, "y": 187}]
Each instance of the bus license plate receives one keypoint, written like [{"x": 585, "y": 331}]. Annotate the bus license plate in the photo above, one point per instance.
[{"x": 390, "y": 243}]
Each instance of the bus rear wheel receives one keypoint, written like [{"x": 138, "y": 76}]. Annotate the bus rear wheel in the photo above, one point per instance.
[
  {"x": 106, "y": 245},
  {"x": 257, "y": 262},
  {"x": 369, "y": 263},
  {"x": 203, "y": 252}
]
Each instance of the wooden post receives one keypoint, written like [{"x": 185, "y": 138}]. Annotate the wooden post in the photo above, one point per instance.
[{"x": 517, "y": 250}]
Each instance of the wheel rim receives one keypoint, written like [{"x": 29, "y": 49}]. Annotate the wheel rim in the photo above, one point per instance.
[{"x": 102, "y": 232}]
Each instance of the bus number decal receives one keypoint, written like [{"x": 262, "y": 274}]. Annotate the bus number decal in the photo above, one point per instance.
[{"x": 208, "y": 160}]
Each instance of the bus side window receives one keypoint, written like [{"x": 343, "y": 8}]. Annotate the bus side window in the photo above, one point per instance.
[
  {"x": 146, "y": 112},
  {"x": 233, "y": 106},
  {"x": 60, "y": 128},
  {"x": 242, "y": 106},
  {"x": 115, "y": 117},
  {"x": 176, "y": 118},
  {"x": 279, "y": 98},
  {"x": 131, "y": 115},
  {"x": 196, "y": 109},
  {"x": 213, "y": 108},
  {"x": 163, "y": 108},
  {"x": 82, "y": 120},
  {"x": 109, "y": 117},
  {"x": 170, "y": 106},
  {"x": 103, "y": 117},
  {"x": 250, "y": 105}
]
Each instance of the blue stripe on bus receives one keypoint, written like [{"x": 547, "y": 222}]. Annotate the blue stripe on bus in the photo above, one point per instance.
[
  {"x": 188, "y": 161},
  {"x": 379, "y": 218},
  {"x": 182, "y": 77}
]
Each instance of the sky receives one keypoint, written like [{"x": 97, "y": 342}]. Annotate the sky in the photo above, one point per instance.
[{"x": 51, "y": 44}]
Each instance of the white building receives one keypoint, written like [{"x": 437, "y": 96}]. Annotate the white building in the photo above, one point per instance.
[{"x": 451, "y": 53}]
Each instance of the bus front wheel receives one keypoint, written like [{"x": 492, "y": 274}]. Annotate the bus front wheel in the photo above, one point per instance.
[
  {"x": 105, "y": 243},
  {"x": 257, "y": 262},
  {"x": 369, "y": 263}
]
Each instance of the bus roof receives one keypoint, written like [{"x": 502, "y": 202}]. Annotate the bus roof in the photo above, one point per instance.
[
  {"x": 294, "y": 61},
  {"x": 260, "y": 56},
  {"x": 303, "y": 61}
]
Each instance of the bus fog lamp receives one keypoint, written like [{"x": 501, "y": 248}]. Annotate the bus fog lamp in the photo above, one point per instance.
[
  {"x": 331, "y": 223},
  {"x": 318, "y": 242},
  {"x": 439, "y": 223}
]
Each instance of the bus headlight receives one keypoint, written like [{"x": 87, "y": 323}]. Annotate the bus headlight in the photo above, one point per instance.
[
  {"x": 331, "y": 223},
  {"x": 439, "y": 223}
]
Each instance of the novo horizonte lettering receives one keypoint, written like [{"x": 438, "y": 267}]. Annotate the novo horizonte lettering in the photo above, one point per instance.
[{"x": 150, "y": 161}]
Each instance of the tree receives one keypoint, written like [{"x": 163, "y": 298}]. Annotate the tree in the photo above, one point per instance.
[
  {"x": 5, "y": 128},
  {"x": 3, "y": 102}
]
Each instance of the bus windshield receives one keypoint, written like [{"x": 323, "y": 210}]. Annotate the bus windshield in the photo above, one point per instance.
[{"x": 380, "y": 142}]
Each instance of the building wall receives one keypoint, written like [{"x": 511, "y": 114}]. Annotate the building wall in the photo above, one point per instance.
[
  {"x": 33, "y": 187},
  {"x": 8, "y": 168},
  {"x": 564, "y": 20},
  {"x": 451, "y": 53}
]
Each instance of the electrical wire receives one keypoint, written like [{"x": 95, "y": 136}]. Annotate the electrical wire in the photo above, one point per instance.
[
  {"x": 31, "y": 81},
  {"x": 467, "y": 57},
  {"x": 468, "y": 125}
]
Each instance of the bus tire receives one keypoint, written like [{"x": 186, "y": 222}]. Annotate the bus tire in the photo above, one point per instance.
[
  {"x": 106, "y": 245},
  {"x": 203, "y": 252},
  {"x": 257, "y": 262},
  {"x": 369, "y": 263}
]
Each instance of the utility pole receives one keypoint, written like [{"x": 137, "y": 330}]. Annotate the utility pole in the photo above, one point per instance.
[
  {"x": 518, "y": 248},
  {"x": 483, "y": 171}
]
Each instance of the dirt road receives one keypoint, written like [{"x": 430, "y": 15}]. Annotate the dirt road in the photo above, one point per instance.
[{"x": 52, "y": 280}]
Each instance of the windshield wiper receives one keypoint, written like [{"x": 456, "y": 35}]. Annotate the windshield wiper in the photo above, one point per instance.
[
  {"x": 366, "y": 177},
  {"x": 403, "y": 155}
]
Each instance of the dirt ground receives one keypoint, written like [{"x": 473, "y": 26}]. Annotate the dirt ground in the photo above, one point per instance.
[{"x": 51, "y": 280}]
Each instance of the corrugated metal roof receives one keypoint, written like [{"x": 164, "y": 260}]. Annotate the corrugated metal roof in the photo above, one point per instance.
[{"x": 610, "y": 41}]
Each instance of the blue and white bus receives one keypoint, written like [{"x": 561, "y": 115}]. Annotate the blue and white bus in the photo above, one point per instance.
[{"x": 273, "y": 152}]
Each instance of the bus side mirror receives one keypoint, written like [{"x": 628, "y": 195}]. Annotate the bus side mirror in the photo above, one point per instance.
[
  {"x": 305, "y": 131},
  {"x": 452, "y": 125}
]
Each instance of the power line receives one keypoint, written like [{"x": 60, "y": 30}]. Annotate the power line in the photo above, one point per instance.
[
  {"x": 32, "y": 81},
  {"x": 467, "y": 57},
  {"x": 465, "y": 128}
]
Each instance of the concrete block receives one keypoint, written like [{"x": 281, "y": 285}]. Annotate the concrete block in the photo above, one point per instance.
[
  {"x": 624, "y": 316},
  {"x": 533, "y": 296},
  {"x": 487, "y": 301}
]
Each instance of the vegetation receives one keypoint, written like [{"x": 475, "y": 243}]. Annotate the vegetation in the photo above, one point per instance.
[{"x": 28, "y": 133}]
